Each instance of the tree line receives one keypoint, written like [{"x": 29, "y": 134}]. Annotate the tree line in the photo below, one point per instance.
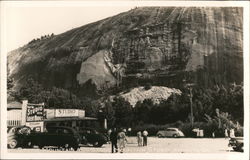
[{"x": 119, "y": 112}]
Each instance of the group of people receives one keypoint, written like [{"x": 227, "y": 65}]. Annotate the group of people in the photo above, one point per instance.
[
  {"x": 142, "y": 138},
  {"x": 118, "y": 137}
]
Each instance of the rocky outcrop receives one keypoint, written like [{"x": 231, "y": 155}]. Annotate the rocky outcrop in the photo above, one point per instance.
[
  {"x": 156, "y": 94},
  {"x": 162, "y": 45},
  {"x": 95, "y": 68},
  {"x": 188, "y": 40}
]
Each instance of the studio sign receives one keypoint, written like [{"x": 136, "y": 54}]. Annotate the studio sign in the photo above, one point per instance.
[
  {"x": 34, "y": 113},
  {"x": 66, "y": 113}
]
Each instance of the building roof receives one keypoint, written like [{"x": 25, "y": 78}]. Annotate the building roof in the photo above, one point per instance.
[{"x": 14, "y": 105}]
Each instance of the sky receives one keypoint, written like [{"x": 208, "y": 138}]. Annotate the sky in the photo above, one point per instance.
[{"x": 24, "y": 23}]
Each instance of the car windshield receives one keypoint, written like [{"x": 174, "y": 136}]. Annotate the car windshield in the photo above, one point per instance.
[
  {"x": 12, "y": 130},
  {"x": 22, "y": 130}
]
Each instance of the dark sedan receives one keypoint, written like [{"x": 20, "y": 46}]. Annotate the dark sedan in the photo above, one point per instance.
[
  {"x": 18, "y": 137},
  {"x": 93, "y": 137},
  {"x": 61, "y": 137},
  {"x": 237, "y": 143}
]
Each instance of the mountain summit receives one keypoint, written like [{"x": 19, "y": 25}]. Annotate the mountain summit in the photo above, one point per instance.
[{"x": 160, "y": 45}]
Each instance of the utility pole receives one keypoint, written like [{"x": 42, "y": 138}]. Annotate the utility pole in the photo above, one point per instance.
[
  {"x": 189, "y": 86},
  {"x": 191, "y": 107}
]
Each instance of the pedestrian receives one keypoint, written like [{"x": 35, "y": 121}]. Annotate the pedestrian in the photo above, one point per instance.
[
  {"x": 122, "y": 139},
  {"x": 213, "y": 135},
  {"x": 232, "y": 133},
  {"x": 226, "y": 134},
  {"x": 145, "y": 137},
  {"x": 139, "y": 138},
  {"x": 108, "y": 137},
  {"x": 113, "y": 139},
  {"x": 129, "y": 131}
]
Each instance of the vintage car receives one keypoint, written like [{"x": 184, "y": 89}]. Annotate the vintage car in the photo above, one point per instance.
[
  {"x": 237, "y": 143},
  {"x": 18, "y": 136},
  {"x": 93, "y": 137},
  {"x": 170, "y": 132},
  {"x": 57, "y": 136}
]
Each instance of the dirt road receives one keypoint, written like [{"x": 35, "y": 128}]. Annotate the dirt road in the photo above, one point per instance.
[{"x": 156, "y": 145}]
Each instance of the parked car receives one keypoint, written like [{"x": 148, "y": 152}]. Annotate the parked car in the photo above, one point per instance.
[
  {"x": 237, "y": 143},
  {"x": 18, "y": 136},
  {"x": 65, "y": 137},
  {"x": 93, "y": 137},
  {"x": 170, "y": 132}
]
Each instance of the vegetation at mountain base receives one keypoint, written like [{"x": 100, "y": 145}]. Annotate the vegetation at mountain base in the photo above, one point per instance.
[{"x": 215, "y": 109}]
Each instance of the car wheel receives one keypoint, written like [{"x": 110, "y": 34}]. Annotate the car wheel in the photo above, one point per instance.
[
  {"x": 236, "y": 149},
  {"x": 66, "y": 146},
  {"x": 12, "y": 144},
  {"x": 75, "y": 148},
  {"x": 159, "y": 136},
  {"x": 40, "y": 146},
  {"x": 175, "y": 135},
  {"x": 97, "y": 144},
  {"x": 242, "y": 149}
]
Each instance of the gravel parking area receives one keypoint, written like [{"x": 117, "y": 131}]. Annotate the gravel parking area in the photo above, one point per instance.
[{"x": 155, "y": 145}]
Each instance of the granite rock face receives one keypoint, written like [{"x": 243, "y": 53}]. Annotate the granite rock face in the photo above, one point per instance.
[{"x": 161, "y": 45}]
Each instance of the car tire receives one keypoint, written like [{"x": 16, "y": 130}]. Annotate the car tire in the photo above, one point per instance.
[
  {"x": 40, "y": 146},
  {"x": 66, "y": 146},
  {"x": 175, "y": 135},
  {"x": 75, "y": 148},
  {"x": 159, "y": 136},
  {"x": 97, "y": 144},
  {"x": 12, "y": 144}
]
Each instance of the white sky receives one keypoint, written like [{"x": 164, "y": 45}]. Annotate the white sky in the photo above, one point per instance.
[{"x": 26, "y": 23}]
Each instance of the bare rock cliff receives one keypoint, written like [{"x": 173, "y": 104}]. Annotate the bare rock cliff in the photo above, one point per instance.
[{"x": 161, "y": 45}]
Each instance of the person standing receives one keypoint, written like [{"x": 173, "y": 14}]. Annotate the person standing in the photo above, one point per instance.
[
  {"x": 213, "y": 134},
  {"x": 113, "y": 139},
  {"x": 139, "y": 138},
  {"x": 121, "y": 140},
  {"x": 232, "y": 133},
  {"x": 109, "y": 132},
  {"x": 145, "y": 137},
  {"x": 226, "y": 134}
]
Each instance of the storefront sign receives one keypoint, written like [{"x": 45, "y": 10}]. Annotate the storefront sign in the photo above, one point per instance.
[
  {"x": 35, "y": 112},
  {"x": 66, "y": 113}
]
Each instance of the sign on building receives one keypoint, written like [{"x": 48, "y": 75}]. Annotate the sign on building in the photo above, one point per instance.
[
  {"x": 33, "y": 115},
  {"x": 62, "y": 113},
  {"x": 66, "y": 113},
  {"x": 35, "y": 112}
]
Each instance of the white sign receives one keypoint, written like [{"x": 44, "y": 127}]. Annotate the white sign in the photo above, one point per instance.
[
  {"x": 81, "y": 113},
  {"x": 35, "y": 112},
  {"x": 66, "y": 113},
  {"x": 37, "y": 126}
]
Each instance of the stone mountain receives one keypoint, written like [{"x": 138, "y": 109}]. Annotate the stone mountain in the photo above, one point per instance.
[{"x": 164, "y": 46}]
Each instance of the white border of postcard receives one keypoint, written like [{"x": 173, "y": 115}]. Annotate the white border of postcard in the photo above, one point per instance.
[{"x": 193, "y": 156}]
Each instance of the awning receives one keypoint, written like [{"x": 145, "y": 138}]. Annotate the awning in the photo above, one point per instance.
[
  {"x": 70, "y": 119},
  {"x": 14, "y": 105}
]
